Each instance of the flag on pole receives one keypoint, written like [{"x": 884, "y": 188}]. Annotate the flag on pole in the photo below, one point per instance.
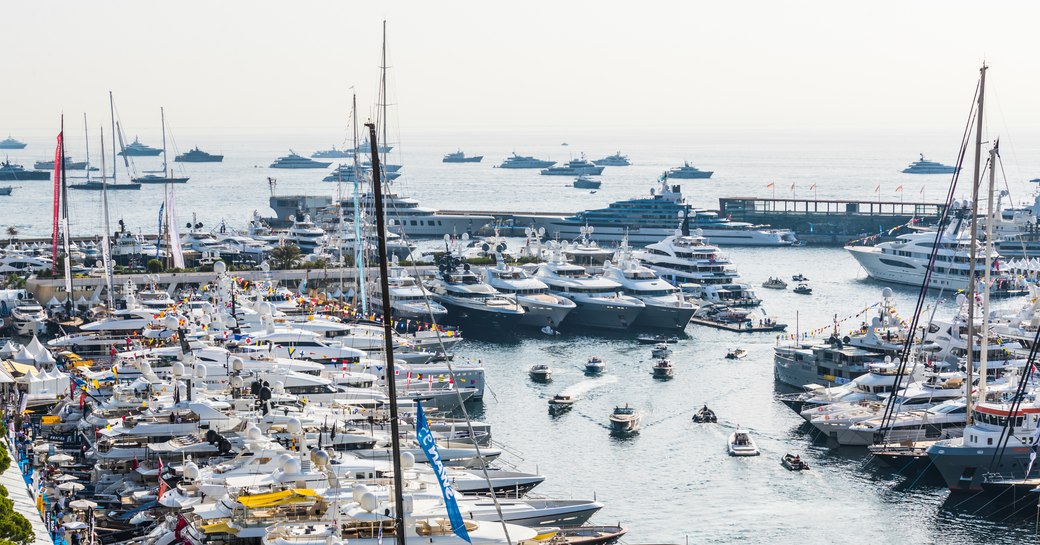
[
  {"x": 425, "y": 438},
  {"x": 770, "y": 184},
  {"x": 812, "y": 186},
  {"x": 877, "y": 189},
  {"x": 899, "y": 189}
]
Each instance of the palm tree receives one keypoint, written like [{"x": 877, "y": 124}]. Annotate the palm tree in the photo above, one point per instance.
[
  {"x": 12, "y": 232},
  {"x": 285, "y": 256}
]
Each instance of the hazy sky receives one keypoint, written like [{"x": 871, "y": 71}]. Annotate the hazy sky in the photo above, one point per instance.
[{"x": 520, "y": 65}]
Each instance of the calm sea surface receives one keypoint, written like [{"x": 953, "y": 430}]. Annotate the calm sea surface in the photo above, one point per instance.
[{"x": 674, "y": 479}]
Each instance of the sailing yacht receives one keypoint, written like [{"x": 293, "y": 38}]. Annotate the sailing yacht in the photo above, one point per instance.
[{"x": 165, "y": 178}]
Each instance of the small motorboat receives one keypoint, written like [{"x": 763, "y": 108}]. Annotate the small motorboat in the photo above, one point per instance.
[
  {"x": 736, "y": 354},
  {"x": 774, "y": 284},
  {"x": 741, "y": 444},
  {"x": 587, "y": 535},
  {"x": 624, "y": 419},
  {"x": 560, "y": 403},
  {"x": 595, "y": 366},
  {"x": 654, "y": 339},
  {"x": 664, "y": 369},
  {"x": 799, "y": 278},
  {"x": 660, "y": 350},
  {"x": 705, "y": 416},
  {"x": 541, "y": 373},
  {"x": 793, "y": 462},
  {"x": 803, "y": 289}
]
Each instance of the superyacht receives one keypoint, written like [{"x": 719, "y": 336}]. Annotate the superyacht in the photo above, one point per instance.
[
  {"x": 574, "y": 167},
  {"x": 665, "y": 306},
  {"x": 599, "y": 301},
  {"x": 137, "y": 149},
  {"x": 294, "y": 160},
  {"x": 460, "y": 157},
  {"x": 409, "y": 300},
  {"x": 198, "y": 156},
  {"x": 471, "y": 301},
  {"x": 520, "y": 161},
  {"x": 905, "y": 260},
  {"x": 412, "y": 220},
  {"x": 924, "y": 166},
  {"x": 11, "y": 143},
  {"x": 616, "y": 160},
  {"x": 689, "y": 262},
  {"x": 332, "y": 154},
  {"x": 541, "y": 308},
  {"x": 648, "y": 220},
  {"x": 305, "y": 235},
  {"x": 689, "y": 172}
]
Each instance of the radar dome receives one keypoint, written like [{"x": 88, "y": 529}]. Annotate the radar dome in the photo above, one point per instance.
[
  {"x": 219, "y": 267},
  {"x": 886, "y": 293},
  {"x": 294, "y": 425},
  {"x": 407, "y": 460},
  {"x": 177, "y": 369},
  {"x": 191, "y": 471},
  {"x": 369, "y": 502}
]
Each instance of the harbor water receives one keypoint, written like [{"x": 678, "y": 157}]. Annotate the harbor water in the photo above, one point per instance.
[{"x": 674, "y": 479}]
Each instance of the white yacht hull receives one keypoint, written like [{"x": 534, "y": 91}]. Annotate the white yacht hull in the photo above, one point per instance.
[
  {"x": 902, "y": 270},
  {"x": 648, "y": 235}
]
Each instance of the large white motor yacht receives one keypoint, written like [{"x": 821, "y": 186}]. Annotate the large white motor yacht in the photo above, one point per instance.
[
  {"x": 599, "y": 301},
  {"x": 665, "y": 305},
  {"x": 699, "y": 268},
  {"x": 470, "y": 300},
  {"x": 305, "y": 234},
  {"x": 541, "y": 307}
]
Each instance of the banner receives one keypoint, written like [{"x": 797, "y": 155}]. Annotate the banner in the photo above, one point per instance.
[
  {"x": 175, "y": 237},
  {"x": 425, "y": 437}
]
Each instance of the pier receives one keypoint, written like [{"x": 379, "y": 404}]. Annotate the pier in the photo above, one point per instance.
[{"x": 826, "y": 221}]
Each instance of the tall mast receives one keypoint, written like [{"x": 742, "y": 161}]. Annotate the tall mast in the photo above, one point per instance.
[
  {"x": 969, "y": 357},
  {"x": 106, "y": 251},
  {"x": 65, "y": 226},
  {"x": 162, "y": 116},
  {"x": 984, "y": 345},
  {"x": 382, "y": 85},
  {"x": 388, "y": 338},
  {"x": 112, "y": 110},
  {"x": 359, "y": 254},
  {"x": 86, "y": 142}
]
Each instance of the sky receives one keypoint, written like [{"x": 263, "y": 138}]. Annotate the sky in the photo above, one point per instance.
[{"x": 520, "y": 65}]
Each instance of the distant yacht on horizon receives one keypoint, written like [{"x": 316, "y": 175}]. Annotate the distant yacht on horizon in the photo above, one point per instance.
[
  {"x": 11, "y": 143},
  {"x": 137, "y": 149},
  {"x": 295, "y": 160},
  {"x": 522, "y": 161},
  {"x": 923, "y": 166},
  {"x": 616, "y": 160},
  {"x": 689, "y": 172},
  {"x": 69, "y": 165},
  {"x": 460, "y": 157},
  {"x": 198, "y": 156},
  {"x": 11, "y": 171},
  {"x": 332, "y": 154},
  {"x": 574, "y": 167}
]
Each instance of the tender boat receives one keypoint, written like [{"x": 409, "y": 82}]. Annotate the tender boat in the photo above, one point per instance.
[
  {"x": 664, "y": 369},
  {"x": 540, "y": 373},
  {"x": 624, "y": 420},
  {"x": 198, "y": 156},
  {"x": 616, "y": 160},
  {"x": 689, "y": 172},
  {"x": 705, "y": 416},
  {"x": 595, "y": 366},
  {"x": 655, "y": 339},
  {"x": 799, "y": 278},
  {"x": 584, "y": 182},
  {"x": 588, "y": 535},
  {"x": 460, "y": 157},
  {"x": 774, "y": 284},
  {"x": 924, "y": 166},
  {"x": 793, "y": 462},
  {"x": 6, "y": 190},
  {"x": 660, "y": 350},
  {"x": 736, "y": 354},
  {"x": 741, "y": 444},
  {"x": 803, "y": 289},
  {"x": 295, "y": 160},
  {"x": 560, "y": 403}
]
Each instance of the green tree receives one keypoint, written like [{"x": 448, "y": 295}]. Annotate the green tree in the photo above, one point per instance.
[
  {"x": 285, "y": 256},
  {"x": 12, "y": 232},
  {"x": 154, "y": 265}
]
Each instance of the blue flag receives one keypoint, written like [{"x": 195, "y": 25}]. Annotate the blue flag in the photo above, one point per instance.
[{"x": 422, "y": 433}]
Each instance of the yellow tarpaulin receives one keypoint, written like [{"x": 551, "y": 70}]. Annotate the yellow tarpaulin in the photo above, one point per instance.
[
  {"x": 272, "y": 499},
  {"x": 14, "y": 367},
  {"x": 50, "y": 420},
  {"x": 219, "y": 528}
]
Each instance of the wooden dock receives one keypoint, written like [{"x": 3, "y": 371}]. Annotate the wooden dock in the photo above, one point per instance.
[{"x": 740, "y": 327}]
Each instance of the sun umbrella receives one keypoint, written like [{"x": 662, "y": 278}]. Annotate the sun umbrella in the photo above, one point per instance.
[
  {"x": 59, "y": 458},
  {"x": 71, "y": 487},
  {"x": 65, "y": 478},
  {"x": 75, "y": 525},
  {"x": 82, "y": 504}
]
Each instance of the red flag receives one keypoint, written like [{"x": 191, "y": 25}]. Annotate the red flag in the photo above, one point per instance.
[
  {"x": 163, "y": 487},
  {"x": 58, "y": 164}
]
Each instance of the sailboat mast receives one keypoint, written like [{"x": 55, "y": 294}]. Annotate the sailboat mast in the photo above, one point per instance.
[
  {"x": 65, "y": 225},
  {"x": 162, "y": 116},
  {"x": 112, "y": 111},
  {"x": 984, "y": 345},
  {"x": 86, "y": 142},
  {"x": 106, "y": 248},
  {"x": 388, "y": 339},
  {"x": 359, "y": 255},
  {"x": 969, "y": 357},
  {"x": 382, "y": 86}
]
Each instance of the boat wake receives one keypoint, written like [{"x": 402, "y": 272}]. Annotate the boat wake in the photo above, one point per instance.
[{"x": 586, "y": 386}]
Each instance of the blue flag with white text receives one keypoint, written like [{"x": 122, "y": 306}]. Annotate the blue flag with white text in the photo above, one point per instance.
[{"x": 425, "y": 437}]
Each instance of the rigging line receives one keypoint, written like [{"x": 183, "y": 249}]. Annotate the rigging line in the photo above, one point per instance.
[{"x": 922, "y": 294}]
